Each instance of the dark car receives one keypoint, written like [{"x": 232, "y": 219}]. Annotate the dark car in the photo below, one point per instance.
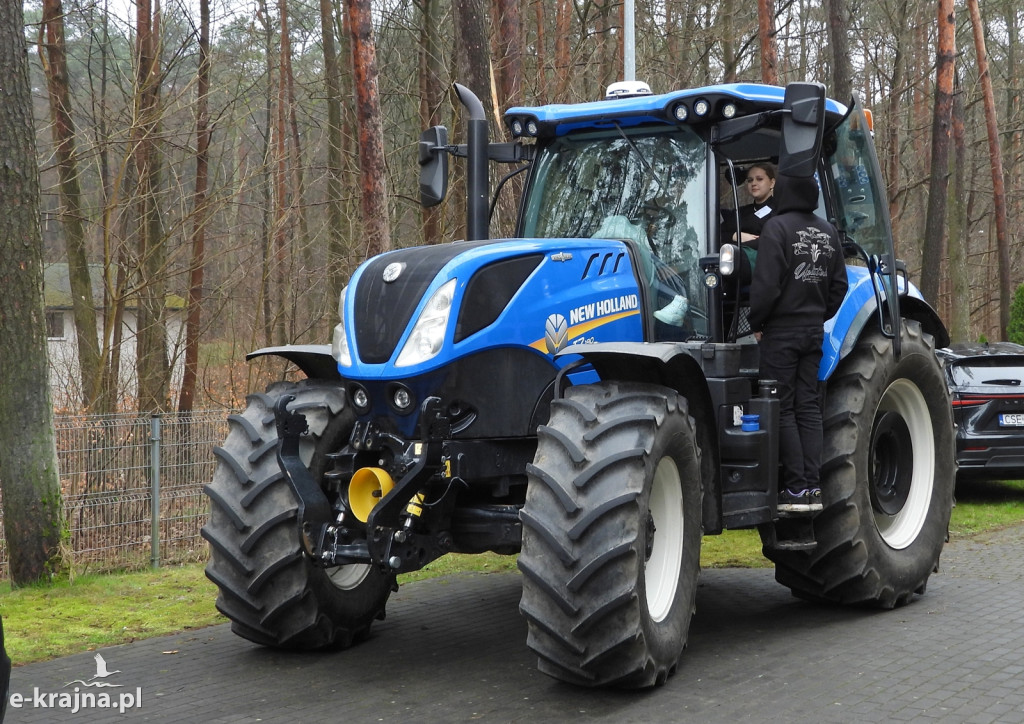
[{"x": 986, "y": 384}]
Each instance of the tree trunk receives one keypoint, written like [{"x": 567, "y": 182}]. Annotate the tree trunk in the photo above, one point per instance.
[
  {"x": 541, "y": 90},
  {"x": 609, "y": 66},
  {"x": 113, "y": 304},
  {"x": 931, "y": 245},
  {"x": 893, "y": 118},
  {"x": 473, "y": 58},
  {"x": 838, "y": 26},
  {"x": 1013, "y": 119},
  {"x": 727, "y": 16},
  {"x": 510, "y": 51},
  {"x": 197, "y": 268},
  {"x": 996, "y": 163},
  {"x": 281, "y": 215},
  {"x": 563, "y": 64},
  {"x": 372, "y": 171},
  {"x": 151, "y": 361},
  {"x": 766, "y": 33},
  {"x": 28, "y": 466},
  {"x": 63, "y": 130},
  {"x": 431, "y": 95},
  {"x": 267, "y": 188},
  {"x": 335, "y": 222},
  {"x": 959, "y": 235}
]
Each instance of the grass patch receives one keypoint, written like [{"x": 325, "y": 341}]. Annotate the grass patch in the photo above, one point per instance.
[
  {"x": 461, "y": 563},
  {"x": 97, "y": 610},
  {"x": 986, "y": 505},
  {"x": 733, "y": 549}
]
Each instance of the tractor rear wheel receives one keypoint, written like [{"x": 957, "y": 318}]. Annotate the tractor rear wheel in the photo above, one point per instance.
[
  {"x": 887, "y": 478},
  {"x": 611, "y": 535},
  {"x": 269, "y": 589}
]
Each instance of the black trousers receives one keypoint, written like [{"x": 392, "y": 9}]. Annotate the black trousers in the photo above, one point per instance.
[{"x": 791, "y": 356}]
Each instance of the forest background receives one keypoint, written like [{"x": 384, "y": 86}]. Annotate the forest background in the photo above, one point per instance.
[{"x": 246, "y": 156}]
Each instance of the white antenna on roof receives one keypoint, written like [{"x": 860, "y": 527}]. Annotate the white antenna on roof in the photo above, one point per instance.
[{"x": 629, "y": 41}]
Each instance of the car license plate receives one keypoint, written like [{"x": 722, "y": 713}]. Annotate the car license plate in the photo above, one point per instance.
[{"x": 1015, "y": 419}]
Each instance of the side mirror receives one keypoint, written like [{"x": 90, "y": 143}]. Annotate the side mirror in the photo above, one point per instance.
[
  {"x": 433, "y": 148},
  {"x": 803, "y": 125}
]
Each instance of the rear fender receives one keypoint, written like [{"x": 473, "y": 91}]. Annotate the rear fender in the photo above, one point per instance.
[{"x": 860, "y": 310}]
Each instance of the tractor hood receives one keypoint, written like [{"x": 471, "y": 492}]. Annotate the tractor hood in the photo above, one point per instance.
[{"x": 414, "y": 310}]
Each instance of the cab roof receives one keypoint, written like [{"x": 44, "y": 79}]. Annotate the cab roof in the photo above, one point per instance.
[{"x": 560, "y": 118}]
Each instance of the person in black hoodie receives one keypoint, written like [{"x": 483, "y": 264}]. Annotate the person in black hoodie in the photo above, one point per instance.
[{"x": 798, "y": 283}]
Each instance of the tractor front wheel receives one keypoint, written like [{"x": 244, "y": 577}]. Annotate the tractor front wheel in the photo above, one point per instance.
[
  {"x": 611, "y": 535},
  {"x": 269, "y": 589}
]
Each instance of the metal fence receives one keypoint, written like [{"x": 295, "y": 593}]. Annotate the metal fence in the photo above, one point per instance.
[{"x": 112, "y": 470}]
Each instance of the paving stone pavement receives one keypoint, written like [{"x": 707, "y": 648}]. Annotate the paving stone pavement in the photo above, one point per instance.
[{"x": 453, "y": 650}]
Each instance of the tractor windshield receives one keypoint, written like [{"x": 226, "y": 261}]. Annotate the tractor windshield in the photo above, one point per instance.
[
  {"x": 644, "y": 184},
  {"x": 862, "y": 212}
]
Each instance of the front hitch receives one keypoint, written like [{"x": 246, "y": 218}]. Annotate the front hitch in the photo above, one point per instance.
[
  {"x": 314, "y": 513},
  {"x": 390, "y": 540}
]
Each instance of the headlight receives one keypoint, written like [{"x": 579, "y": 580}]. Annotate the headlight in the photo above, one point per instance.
[
  {"x": 339, "y": 343},
  {"x": 360, "y": 398},
  {"x": 401, "y": 398},
  {"x": 727, "y": 260},
  {"x": 428, "y": 335}
]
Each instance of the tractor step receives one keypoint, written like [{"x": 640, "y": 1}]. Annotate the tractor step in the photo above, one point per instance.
[{"x": 793, "y": 532}]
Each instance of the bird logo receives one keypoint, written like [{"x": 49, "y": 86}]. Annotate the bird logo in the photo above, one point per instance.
[
  {"x": 101, "y": 673},
  {"x": 101, "y": 668}
]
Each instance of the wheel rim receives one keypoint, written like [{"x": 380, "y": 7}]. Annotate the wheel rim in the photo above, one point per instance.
[
  {"x": 664, "y": 544},
  {"x": 348, "y": 577},
  {"x": 902, "y": 464},
  {"x": 892, "y": 457}
]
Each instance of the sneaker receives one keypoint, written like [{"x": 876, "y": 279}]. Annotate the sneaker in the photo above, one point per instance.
[
  {"x": 673, "y": 312},
  {"x": 803, "y": 501}
]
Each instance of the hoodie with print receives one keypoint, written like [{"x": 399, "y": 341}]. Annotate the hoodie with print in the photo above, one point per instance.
[{"x": 800, "y": 276}]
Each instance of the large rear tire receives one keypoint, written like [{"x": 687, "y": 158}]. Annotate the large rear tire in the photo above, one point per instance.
[
  {"x": 269, "y": 589},
  {"x": 887, "y": 478},
  {"x": 611, "y": 535}
]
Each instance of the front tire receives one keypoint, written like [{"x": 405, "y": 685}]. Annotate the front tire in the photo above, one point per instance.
[
  {"x": 887, "y": 480},
  {"x": 269, "y": 589},
  {"x": 611, "y": 535}
]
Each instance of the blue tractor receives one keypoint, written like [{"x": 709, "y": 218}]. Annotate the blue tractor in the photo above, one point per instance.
[{"x": 531, "y": 395}]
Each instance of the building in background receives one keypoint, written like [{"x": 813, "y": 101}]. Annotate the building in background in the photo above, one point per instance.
[{"x": 62, "y": 343}]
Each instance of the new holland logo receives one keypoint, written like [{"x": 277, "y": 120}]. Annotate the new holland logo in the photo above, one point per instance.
[
  {"x": 556, "y": 333},
  {"x": 392, "y": 271}
]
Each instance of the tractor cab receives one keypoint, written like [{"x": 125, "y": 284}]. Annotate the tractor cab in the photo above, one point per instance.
[{"x": 666, "y": 174}]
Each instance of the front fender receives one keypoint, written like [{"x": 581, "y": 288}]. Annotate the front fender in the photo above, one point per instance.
[
  {"x": 314, "y": 360},
  {"x": 676, "y": 365}
]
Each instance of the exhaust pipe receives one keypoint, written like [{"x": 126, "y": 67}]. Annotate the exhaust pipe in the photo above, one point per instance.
[{"x": 477, "y": 181}]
